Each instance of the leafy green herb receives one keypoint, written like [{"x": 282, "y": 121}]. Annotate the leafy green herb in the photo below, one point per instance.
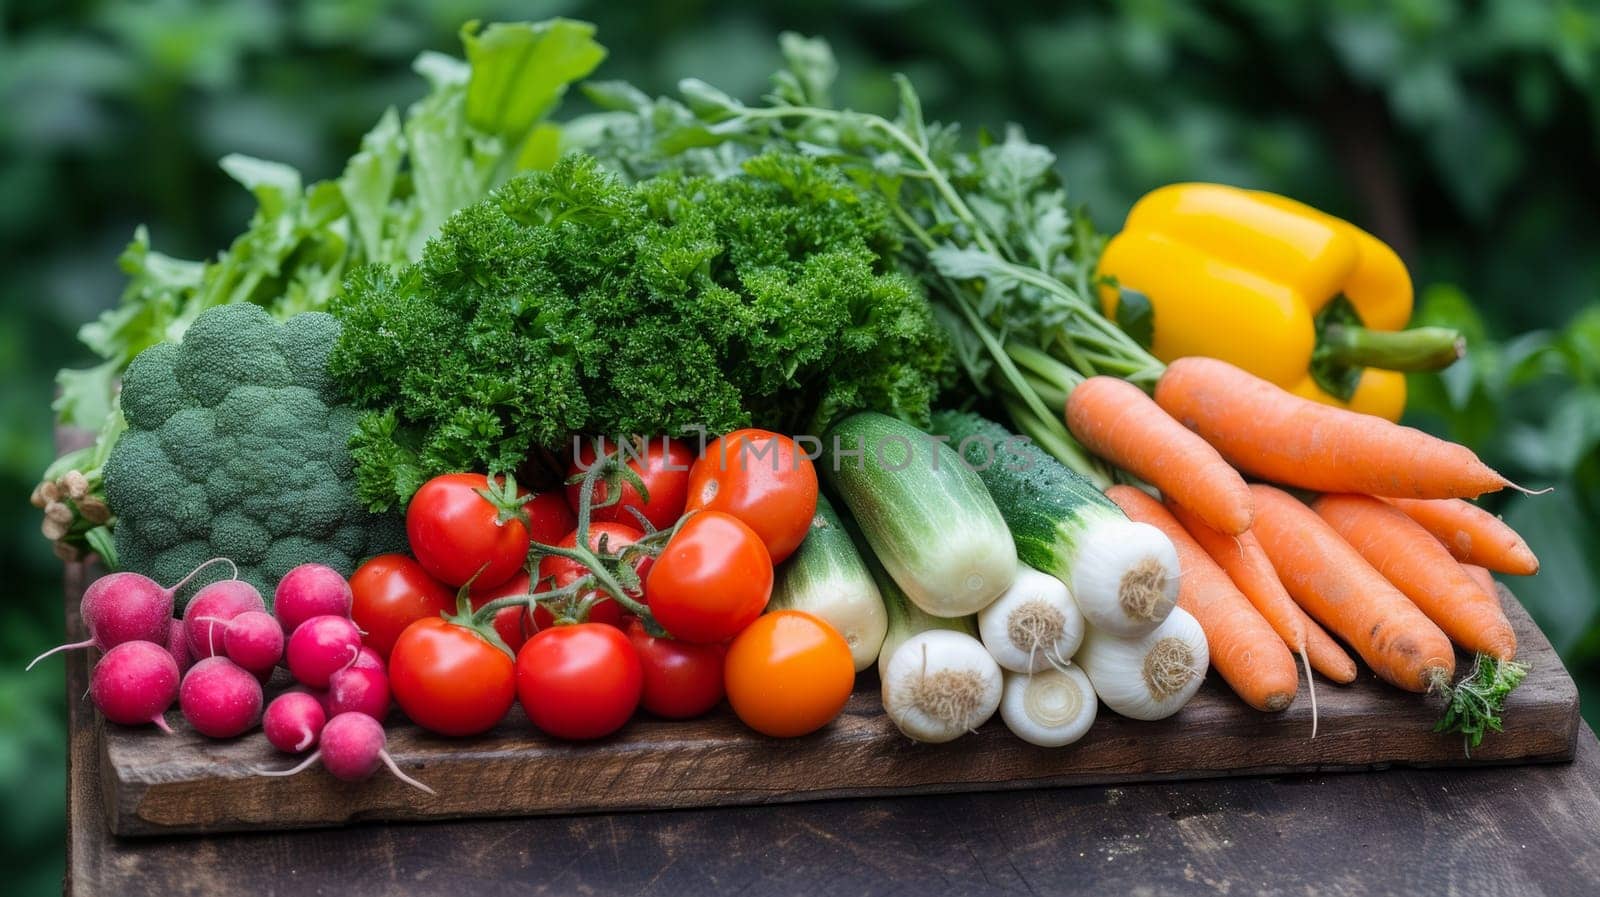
[
  {"x": 571, "y": 302},
  {"x": 1475, "y": 703}
]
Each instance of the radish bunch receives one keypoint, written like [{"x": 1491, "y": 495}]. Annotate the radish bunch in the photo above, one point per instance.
[
  {"x": 346, "y": 696},
  {"x": 294, "y": 720},
  {"x": 147, "y": 652},
  {"x": 128, "y": 607},
  {"x": 353, "y": 746},
  {"x": 214, "y": 661},
  {"x": 135, "y": 683}
]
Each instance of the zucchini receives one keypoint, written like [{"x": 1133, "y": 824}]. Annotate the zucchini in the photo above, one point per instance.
[
  {"x": 927, "y": 518},
  {"x": 827, "y": 577},
  {"x": 1124, "y": 575}
]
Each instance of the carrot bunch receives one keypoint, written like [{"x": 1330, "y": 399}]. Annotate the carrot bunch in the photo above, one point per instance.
[{"x": 1387, "y": 556}]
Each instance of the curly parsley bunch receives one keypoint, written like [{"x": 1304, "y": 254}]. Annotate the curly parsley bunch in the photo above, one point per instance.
[{"x": 572, "y": 302}]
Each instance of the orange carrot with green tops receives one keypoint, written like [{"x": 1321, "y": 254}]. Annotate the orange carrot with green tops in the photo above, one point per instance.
[
  {"x": 1244, "y": 649},
  {"x": 1473, "y": 535},
  {"x": 1413, "y": 560},
  {"x": 1117, "y": 421},
  {"x": 1336, "y": 585},
  {"x": 1264, "y": 430}
]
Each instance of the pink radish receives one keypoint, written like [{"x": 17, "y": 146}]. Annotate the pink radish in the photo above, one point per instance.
[
  {"x": 351, "y": 749},
  {"x": 220, "y": 698},
  {"x": 135, "y": 683},
  {"x": 356, "y": 689},
  {"x": 213, "y": 605},
  {"x": 252, "y": 640},
  {"x": 368, "y": 659},
  {"x": 310, "y": 590},
  {"x": 178, "y": 645},
  {"x": 127, "y": 607},
  {"x": 321, "y": 645},
  {"x": 293, "y": 721}
]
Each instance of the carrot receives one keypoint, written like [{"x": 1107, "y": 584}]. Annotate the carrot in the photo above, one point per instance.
[
  {"x": 1241, "y": 558},
  {"x": 1480, "y": 575},
  {"x": 1117, "y": 421},
  {"x": 1325, "y": 654},
  {"x": 1333, "y": 583},
  {"x": 1472, "y": 534},
  {"x": 1411, "y": 558},
  {"x": 1263, "y": 430},
  {"x": 1244, "y": 649}
]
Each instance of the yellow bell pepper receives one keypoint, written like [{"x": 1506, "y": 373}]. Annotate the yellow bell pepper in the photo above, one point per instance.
[{"x": 1298, "y": 297}]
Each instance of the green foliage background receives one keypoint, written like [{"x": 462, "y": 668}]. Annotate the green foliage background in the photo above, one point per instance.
[{"x": 1462, "y": 132}]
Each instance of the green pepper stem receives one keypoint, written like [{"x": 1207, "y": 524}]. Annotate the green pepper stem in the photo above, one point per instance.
[{"x": 1422, "y": 349}]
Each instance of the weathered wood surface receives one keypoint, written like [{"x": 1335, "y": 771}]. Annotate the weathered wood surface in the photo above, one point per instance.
[
  {"x": 1532, "y": 830},
  {"x": 1514, "y": 830},
  {"x": 157, "y": 784}
]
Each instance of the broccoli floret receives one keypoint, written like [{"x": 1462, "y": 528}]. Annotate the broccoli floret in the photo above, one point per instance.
[
  {"x": 570, "y": 302},
  {"x": 237, "y": 447}
]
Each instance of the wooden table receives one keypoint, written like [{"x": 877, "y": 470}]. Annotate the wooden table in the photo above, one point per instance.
[{"x": 1497, "y": 831}]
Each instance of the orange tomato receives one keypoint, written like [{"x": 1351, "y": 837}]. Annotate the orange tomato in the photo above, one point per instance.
[
  {"x": 788, "y": 674},
  {"x": 763, "y": 479}
]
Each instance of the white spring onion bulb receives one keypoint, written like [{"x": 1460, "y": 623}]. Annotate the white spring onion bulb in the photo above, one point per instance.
[
  {"x": 1033, "y": 625},
  {"x": 940, "y": 685},
  {"x": 1050, "y": 708},
  {"x": 1125, "y": 577},
  {"x": 1150, "y": 676}
]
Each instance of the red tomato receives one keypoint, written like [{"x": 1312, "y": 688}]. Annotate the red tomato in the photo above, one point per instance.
[
  {"x": 565, "y": 570},
  {"x": 712, "y": 580},
  {"x": 458, "y": 534},
  {"x": 682, "y": 680},
  {"x": 664, "y": 470},
  {"x": 509, "y": 622},
  {"x": 763, "y": 479},
  {"x": 450, "y": 680},
  {"x": 390, "y": 592},
  {"x": 788, "y": 674},
  {"x": 579, "y": 681},
  {"x": 549, "y": 518}
]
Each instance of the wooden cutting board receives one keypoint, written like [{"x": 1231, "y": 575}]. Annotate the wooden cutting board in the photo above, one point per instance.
[{"x": 156, "y": 784}]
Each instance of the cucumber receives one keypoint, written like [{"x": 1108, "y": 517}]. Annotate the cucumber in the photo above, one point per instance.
[
  {"x": 1124, "y": 575},
  {"x": 827, "y": 577},
  {"x": 927, "y": 518}
]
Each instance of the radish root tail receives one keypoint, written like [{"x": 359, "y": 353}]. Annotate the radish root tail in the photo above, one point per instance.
[
  {"x": 302, "y": 766},
  {"x": 204, "y": 564},
  {"x": 70, "y": 646},
  {"x": 389, "y": 762}
]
